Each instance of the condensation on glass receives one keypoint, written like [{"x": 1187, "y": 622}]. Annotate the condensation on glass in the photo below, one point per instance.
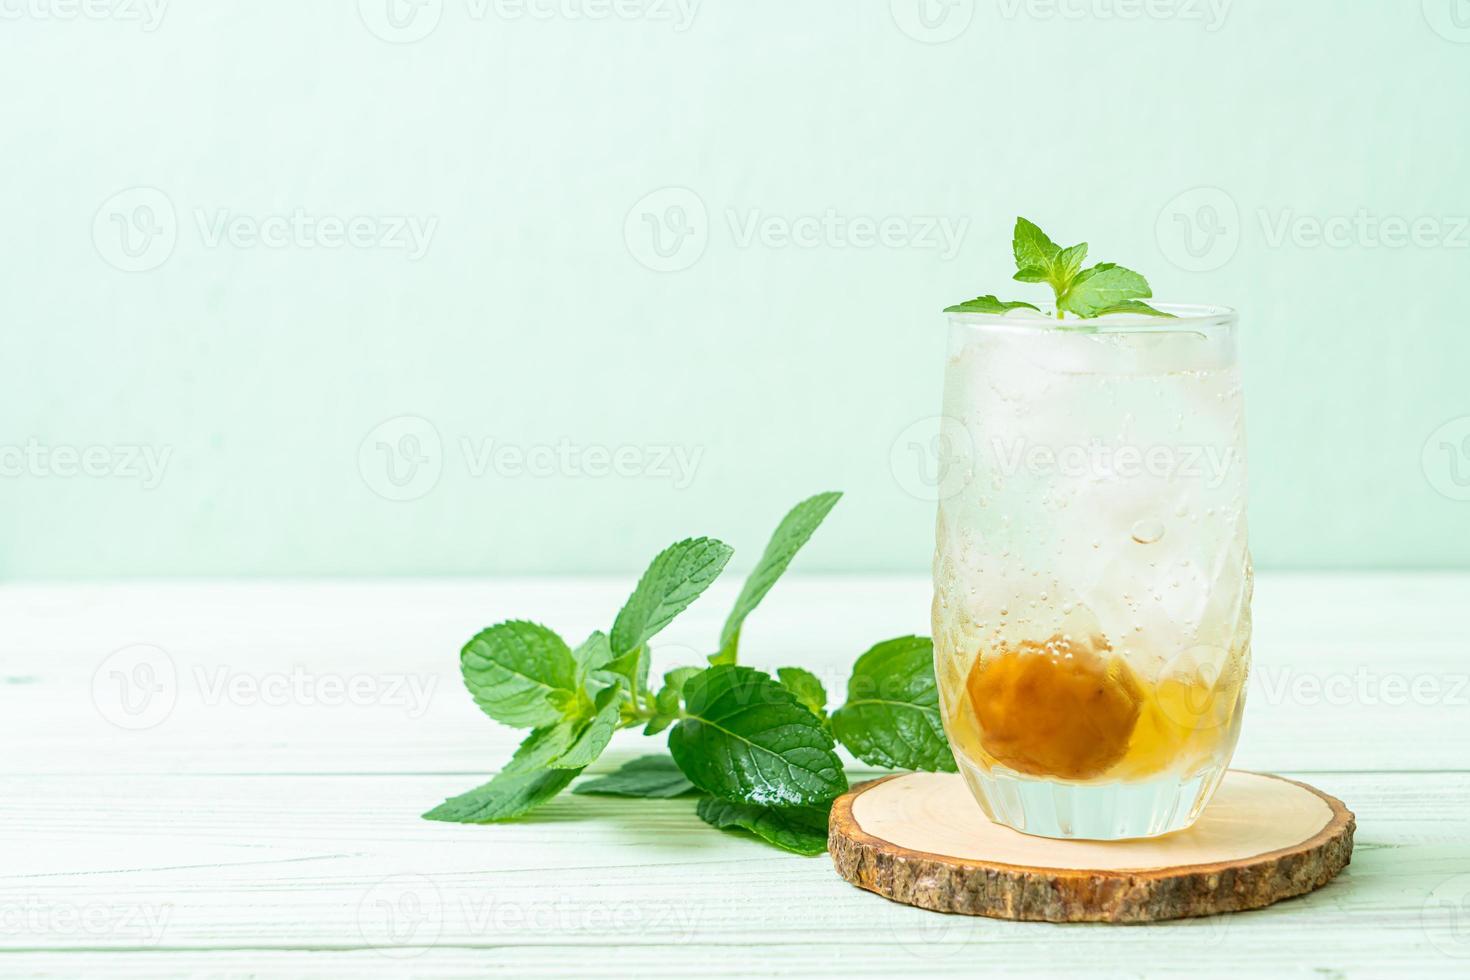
[{"x": 1092, "y": 579}]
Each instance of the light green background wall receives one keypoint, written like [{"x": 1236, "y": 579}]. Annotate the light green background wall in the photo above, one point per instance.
[{"x": 531, "y": 321}]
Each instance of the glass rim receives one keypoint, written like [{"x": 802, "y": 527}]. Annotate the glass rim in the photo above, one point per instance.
[{"x": 1187, "y": 318}]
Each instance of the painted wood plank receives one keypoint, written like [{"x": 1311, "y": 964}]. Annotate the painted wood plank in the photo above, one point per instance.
[
  {"x": 242, "y": 836},
  {"x": 300, "y": 678},
  {"x": 295, "y": 863}
]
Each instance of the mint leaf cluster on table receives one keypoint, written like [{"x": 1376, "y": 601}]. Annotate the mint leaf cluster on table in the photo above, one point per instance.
[
  {"x": 759, "y": 750},
  {"x": 1086, "y": 293}
]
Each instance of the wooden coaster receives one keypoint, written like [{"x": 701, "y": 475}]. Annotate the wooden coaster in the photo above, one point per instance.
[{"x": 921, "y": 839}]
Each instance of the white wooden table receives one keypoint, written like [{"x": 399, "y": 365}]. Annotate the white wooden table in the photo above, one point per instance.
[{"x": 240, "y": 795}]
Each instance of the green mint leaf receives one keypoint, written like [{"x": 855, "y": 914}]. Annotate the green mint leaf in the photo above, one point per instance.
[
  {"x": 506, "y": 796},
  {"x": 1134, "y": 306},
  {"x": 1102, "y": 287},
  {"x": 674, "y": 579},
  {"x": 988, "y": 304},
  {"x": 1033, "y": 250},
  {"x": 729, "y": 651},
  {"x": 521, "y": 674},
  {"x": 524, "y": 784},
  {"x": 666, "y": 702},
  {"x": 810, "y": 693},
  {"x": 651, "y": 776},
  {"x": 802, "y": 830},
  {"x": 1068, "y": 264},
  {"x": 596, "y": 732},
  {"x": 1039, "y": 259},
  {"x": 631, "y": 667},
  {"x": 744, "y": 738},
  {"x": 593, "y": 654},
  {"x": 543, "y": 747},
  {"x": 891, "y": 717},
  {"x": 1085, "y": 293},
  {"x": 795, "y": 530},
  {"x": 592, "y": 659}
]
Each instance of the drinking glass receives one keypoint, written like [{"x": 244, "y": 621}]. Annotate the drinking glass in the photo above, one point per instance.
[{"x": 1092, "y": 580}]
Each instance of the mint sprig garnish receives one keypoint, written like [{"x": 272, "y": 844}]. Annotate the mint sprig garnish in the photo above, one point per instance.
[
  {"x": 760, "y": 751},
  {"x": 1085, "y": 293},
  {"x": 989, "y": 304}
]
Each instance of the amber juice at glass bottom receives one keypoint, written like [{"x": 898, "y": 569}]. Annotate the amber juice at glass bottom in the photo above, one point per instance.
[{"x": 1092, "y": 577}]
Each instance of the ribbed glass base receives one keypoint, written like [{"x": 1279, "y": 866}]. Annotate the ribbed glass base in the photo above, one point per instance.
[{"x": 1082, "y": 811}]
